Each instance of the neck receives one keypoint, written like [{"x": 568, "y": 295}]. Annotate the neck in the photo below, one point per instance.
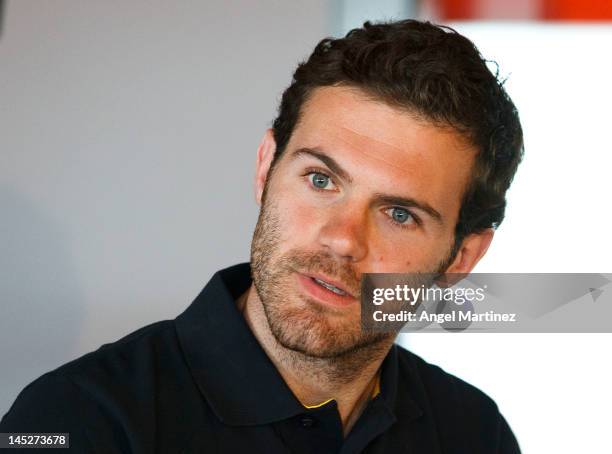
[{"x": 348, "y": 379}]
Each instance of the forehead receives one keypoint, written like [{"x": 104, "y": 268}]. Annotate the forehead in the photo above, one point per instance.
[{"x": 385, "y": 147}]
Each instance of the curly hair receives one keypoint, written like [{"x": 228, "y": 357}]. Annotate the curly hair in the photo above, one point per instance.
[{"x": 439, "y": 75}]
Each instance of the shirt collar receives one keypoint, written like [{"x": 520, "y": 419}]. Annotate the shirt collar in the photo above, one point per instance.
[{"x": 230, "y": 368}]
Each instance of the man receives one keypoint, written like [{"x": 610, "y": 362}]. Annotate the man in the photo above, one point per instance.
[{"x": 392, "y": 152}]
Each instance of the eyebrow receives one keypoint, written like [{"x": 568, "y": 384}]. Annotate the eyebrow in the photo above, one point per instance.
[
  {"x": 327, "y": 160},
  {"x": 406, "y": 202}
]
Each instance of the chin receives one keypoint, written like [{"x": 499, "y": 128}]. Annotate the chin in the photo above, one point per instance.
[
  {"x": 308, "y": 330},
  {"x": 316, "y": 334}
]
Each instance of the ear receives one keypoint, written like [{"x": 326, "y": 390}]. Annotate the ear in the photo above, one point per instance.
[
  {"x": 473, "y": 248},
  {"x": 265, "y": 154}
]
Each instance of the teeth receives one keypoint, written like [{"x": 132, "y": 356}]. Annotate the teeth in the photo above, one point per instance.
[{"x": 329, "y": 287}]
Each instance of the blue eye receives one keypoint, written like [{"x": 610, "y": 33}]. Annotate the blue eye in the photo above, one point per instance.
[
  {"x": 319, "y": 180},
  {"x": 401, "y": 215}
]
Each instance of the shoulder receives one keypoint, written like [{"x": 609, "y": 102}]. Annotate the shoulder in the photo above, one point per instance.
[
  {"x": 127, "y": 365},
  {"x": 441, "y": 386},
  {"x": 461, "y": 412},
  {"x": 121, "y": 360},
  {"x": 114, "y": 387},
  {"x": 127, "y": 357}
]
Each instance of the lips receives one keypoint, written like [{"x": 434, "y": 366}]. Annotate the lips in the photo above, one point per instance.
[
  {"x": 331, "y": 287},
  {"x": 326, "y": 290}
]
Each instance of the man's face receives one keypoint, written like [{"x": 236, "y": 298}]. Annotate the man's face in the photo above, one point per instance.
[{"x": 361, "y": 188}]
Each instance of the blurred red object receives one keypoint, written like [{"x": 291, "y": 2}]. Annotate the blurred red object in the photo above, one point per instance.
[
  {"x": 592, "y": 10},
  {"x": 554, "y": 10}
]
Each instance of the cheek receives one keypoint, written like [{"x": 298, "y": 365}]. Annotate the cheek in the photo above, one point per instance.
[
  {"x": 299, "y": 220},
  {"x": 412, "y": 255},
  {"x": 382, "y": 262}
]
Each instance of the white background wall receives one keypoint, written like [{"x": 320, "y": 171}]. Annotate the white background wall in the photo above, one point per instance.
[{"x": 128, "y": 138}]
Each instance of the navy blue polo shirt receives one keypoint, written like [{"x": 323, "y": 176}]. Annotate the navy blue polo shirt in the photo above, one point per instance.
[{"x": 202, "y": 384}]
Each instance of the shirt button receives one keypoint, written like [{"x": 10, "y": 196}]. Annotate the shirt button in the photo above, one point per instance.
[{"x": 307, "y": 421}]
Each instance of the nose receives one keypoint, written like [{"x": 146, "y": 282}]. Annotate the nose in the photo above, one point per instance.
[{"x": 345, "y": 235}]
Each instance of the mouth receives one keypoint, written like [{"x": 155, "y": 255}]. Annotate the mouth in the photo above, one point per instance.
[{"x": 326, "y": 290}]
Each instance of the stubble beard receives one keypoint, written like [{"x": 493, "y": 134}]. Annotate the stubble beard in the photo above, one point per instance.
[{"x": 303, "y": 327}]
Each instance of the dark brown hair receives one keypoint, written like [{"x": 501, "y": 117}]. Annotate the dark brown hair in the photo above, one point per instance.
[{"x": 439, "y": 75}]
